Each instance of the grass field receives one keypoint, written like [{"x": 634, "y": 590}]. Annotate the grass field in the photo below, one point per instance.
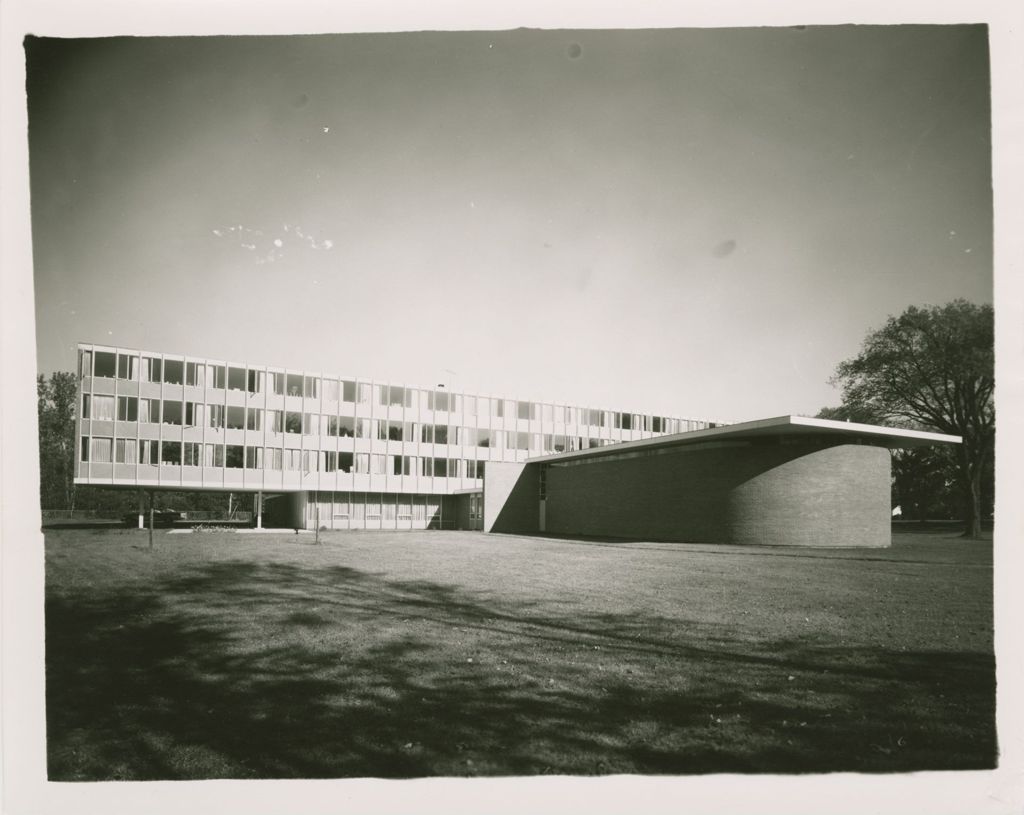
[{"x": 221, "y": 655}]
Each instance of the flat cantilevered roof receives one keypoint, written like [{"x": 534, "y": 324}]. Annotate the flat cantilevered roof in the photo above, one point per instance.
[{"x": 892, "y": 437}]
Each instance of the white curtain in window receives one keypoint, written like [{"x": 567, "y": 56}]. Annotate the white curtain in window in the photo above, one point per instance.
[
  {"x": 101, "y": 450},
  {"x": 103, "y": 408}
]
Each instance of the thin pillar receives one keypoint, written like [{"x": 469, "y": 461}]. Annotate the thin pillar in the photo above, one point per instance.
[
  {"x": 259, "y": 509},
  {"x": 142, "y": 509}
]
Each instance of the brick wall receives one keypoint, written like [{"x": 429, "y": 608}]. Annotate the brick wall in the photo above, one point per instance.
[{"x": 767, "y": 494}]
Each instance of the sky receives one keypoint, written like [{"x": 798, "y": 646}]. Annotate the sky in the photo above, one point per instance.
[{"x": 692, "y": 222}]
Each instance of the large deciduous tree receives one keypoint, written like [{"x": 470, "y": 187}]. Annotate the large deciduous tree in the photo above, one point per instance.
[
  {"x": 56, "y": 404},
  {"x": 932, "y": 368}
]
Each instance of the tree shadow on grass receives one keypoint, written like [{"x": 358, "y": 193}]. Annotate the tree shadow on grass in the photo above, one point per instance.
[{"x": 249, "y": 670}]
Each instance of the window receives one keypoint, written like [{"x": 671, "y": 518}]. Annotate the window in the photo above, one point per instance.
[
  {"x": 546, "y": 414},
  {"x": 277, "y": 383},
  {"x": 234, "y": 456},
  {"x": 470, "y": 404},
  {"x": 363, "y": 393},
  {"x": 627, "y": 421},
  {"x": 100, "y": 450},
  {"x": 127, "y": 368},
  {"x": 329, "y": 461},
  {"x": 236, "y": 379},
  {"x": 172, "y": 413},
  {"x": 254, "y": 381},
  {"x": 373, "y": 506},
  {"x": 213, "y": 455},
  {"x": 149, "y": 410},
  {"x": 254, "y": 458},
  {"x": 174, "y": 371},
  {"x": 483, "y": 437},
  {"x": 362, "y": 462},
  {"x": 216, "y": 416},
  {"x": 331, "y": 389},
  {"x": 86, "y": 407},
  {"x": 311, "y": 424},
  {"x": 397, "y": 396},
  {"x": 524, "y": 410},
  {"x": 170, "y": 453},
  {"x": 389, "y": 508},
  {"x": 125, "y": 451},
  {"x": 308, "y": 461},
  {"x": 559, "y": 443},
  {"x": 85, "y": 368},
  {"x": 102, "y": 408},
  {"x": 151, "y": 369},
  {"x": 394, "y": 431},
  {"x": 454, "y": 434},
  {"x": 426, "y": 466},
  {"x": 345, "y": 462},
  {"x": 427, "y": 434},
  {"x": 272, "y": 458},
  {"x": 275, "y": 421},
  {"x": 104, "y": 364},
  {"x": 292, "y": 422},
  {"x": 311, "y": 387},
  {"x": 380, "y": 465},
  {"x": 292, "y": 459},
  {"x": 192, "y": 454},
  {"x": 363, "y": 428},
  {"x": 348, "y": 391},
  {"x": 194, "y": 414},
  {"x": 148, "y": 451},
  {"x": 216, "y": 376},
  {"x": 253, "y": 418},
  {"x": 442, "y": 401},
  {"x": 453, "y": 467},
  {"x": 440, "y": 468},
  {"x": 346, "y": 426},
  {"x": 235, "y": 418},
  {"x": 396, "y": 464},
  {"x": 195, "y": 374}
]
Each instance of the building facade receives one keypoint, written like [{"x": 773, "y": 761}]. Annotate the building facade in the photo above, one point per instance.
[{"x": 319, "y": 449}]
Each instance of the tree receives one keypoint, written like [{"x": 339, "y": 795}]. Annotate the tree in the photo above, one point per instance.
[
  {"x": 56, "y": 416},
  {"x": 933, "y": 368}
]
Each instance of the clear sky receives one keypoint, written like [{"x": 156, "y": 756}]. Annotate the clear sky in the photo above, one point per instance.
[{"x": 690, "y": 222}]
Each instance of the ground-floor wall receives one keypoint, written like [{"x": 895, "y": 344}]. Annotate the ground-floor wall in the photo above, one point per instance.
[
  {"x": 374, "y": 510},
  {"x": 764, "y": 494}
]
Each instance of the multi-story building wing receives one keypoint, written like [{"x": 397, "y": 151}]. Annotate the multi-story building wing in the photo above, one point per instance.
[{"x": 334, "y": 451}]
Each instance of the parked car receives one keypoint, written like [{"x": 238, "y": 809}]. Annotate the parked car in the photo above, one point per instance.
[{"x": 161, "y": 517}]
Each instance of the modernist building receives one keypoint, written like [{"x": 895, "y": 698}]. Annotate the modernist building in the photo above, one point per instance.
[
  {"x": 316, "y": 448},
  {"x": 321, "y": 450}
]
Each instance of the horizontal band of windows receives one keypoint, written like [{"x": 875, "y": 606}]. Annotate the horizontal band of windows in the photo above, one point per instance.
[{"x": 148, "y": 368}]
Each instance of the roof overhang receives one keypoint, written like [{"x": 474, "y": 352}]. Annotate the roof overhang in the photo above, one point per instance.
[{"x": 779, "y": 426}]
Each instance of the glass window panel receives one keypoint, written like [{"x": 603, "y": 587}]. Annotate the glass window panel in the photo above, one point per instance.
[
  {"x": 127, "y": 368},
  {"x": 174, "y": 371},
  {"x": 104, "y": 364},
  {"x": 126, "y": 451},
  {"x": 101, "y": 450},
  {"x": 170, "y": 453},
  {"x": 345, "y": 462},
  {"x": 348, "y": 391},
  {"x": 172, "y": 413}
]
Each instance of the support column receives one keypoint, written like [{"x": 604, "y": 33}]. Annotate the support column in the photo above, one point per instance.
[
  {"x": 142, "y": 509},
  {"x": 259, "y": 509}
]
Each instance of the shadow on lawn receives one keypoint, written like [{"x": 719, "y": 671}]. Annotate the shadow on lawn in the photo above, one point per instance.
[{"x": 274, "y": 671}]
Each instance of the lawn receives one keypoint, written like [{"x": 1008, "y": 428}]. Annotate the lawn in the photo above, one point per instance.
[{"x": 225, "y": 655}]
